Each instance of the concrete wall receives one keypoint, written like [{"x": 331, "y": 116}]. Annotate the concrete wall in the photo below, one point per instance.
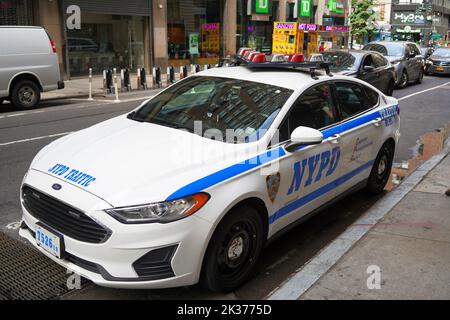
[
  {"x": 49, "y": 18},
  {"x": 159, "y": 23}
]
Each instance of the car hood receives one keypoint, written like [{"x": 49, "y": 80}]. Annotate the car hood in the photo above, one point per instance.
[
  {"x": 438, "y": 58},
  {"x": 135, "y": 162}
]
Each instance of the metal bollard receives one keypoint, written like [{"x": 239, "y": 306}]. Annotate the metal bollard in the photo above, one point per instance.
[
  {"x": 206, "y": 67},
  {"x": 185, "y": 71},
  {"x": 90, "y": 85},
  {"x": 156, "y": 73},
  {"x": 108, "y": 80},
  {"x": 125, "y": 79},
  {"x": 170, "y": 75},
  {"x": 116, "y": 88},
  {"x": 197, "y": 68},
  {"x": 138, "y": 79},
  {"x": 143, "y": 77}
]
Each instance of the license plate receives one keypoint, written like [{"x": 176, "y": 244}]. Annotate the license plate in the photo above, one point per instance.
[
  {"x": 49, "y": 240},
  {"x": 439, "y": 68}
]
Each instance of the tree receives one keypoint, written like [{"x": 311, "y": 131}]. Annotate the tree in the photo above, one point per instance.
[{"x": 362, "y": 19}]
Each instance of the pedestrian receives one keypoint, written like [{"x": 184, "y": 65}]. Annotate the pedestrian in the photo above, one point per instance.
[{"x": 321, "y": 48}]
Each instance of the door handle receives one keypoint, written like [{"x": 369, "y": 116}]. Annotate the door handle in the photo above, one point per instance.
[
  {"x": 335, "y": 138},
  {"x": 377, "y": 122}
]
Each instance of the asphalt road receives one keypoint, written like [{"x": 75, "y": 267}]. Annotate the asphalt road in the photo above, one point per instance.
[{"x": 22, "y": 134}]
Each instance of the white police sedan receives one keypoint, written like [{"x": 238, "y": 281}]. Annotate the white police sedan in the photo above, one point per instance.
[{"x": 193, "y": 183}]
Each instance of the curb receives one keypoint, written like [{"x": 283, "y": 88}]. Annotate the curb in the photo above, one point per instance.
[{"x": 305, "y": 277}]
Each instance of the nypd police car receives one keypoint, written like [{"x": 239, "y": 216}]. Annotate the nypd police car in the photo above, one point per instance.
[{"x": 191, "y": 185}]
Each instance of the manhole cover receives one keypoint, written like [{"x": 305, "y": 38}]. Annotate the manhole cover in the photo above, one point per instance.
[{"x": 26, "y": 274}]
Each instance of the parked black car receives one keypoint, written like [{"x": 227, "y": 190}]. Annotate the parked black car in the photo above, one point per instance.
[
  {"x": 404, "y": 56},
  {"x": 439, "y": 62},
  {"x": 369, "y": 66}
]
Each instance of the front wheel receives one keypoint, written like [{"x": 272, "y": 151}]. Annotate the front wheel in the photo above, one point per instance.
[
  {"x": 381, "y": 169},
  {"x": 233, "y": 250}
]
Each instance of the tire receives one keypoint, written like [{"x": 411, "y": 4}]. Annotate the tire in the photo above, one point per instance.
[
  {"x": 233, "y": 250},
  {"x": 25, "y": 95},
  {"x": 390, "y": 88},
  {"x": 420, "y": 77},
  {"x": 404, "y": 80},
  {"x": 381, "y": 169},
  {"x": 1, "y": 101}
]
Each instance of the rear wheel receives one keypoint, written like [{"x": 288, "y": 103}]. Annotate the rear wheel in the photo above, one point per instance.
[
  {"x": 404, "y": 79},
  {"x": 233, "y": 250},
  {"x": 25, "y": 94},
  {"x": 381, "y": 169}
]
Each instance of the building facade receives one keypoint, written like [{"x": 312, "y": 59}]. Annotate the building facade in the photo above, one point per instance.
[
  {"x": 422, "y": 21},
  {"x": 142, "y": 33}
]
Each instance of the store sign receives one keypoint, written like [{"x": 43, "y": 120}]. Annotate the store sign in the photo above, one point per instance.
[
  {"x": 307, "y": 27},
  {"x": 262, "y": 6},
  {"x": 304, "y": 8},
  {"x": 193, "y": 43},
  {"x": 408, "y": 17},
  {"x": 285, "y": 25},
  {"x": 210, "y": 26},
  {"x": 335, "y": 6}
]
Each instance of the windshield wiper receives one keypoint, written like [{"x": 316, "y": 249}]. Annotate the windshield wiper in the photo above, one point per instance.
[{"x": 172, "y": 125}]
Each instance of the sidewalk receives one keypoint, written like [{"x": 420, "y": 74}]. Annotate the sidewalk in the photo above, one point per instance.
[
  {"x": 410, "y": 246},
  {"x": 77, "y": 88}
]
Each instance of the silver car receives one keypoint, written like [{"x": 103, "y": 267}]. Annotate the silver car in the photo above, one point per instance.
[
  {"x": 28, "y": 65},
  {"x": 404, "y": 56}
]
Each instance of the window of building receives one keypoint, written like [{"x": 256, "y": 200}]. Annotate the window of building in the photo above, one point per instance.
[
  {"x": 194, "y": 31},
  {"x": 106, "y": 41},
  {"x": 16, "y": 12}
]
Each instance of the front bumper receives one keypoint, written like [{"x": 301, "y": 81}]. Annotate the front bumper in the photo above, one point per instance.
[
  {"x": 438, "y": 69},
  {"x": 113, "y": 262}
]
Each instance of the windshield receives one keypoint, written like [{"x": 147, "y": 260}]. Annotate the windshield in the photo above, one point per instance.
[
  {"x": 200, "y": 104},
  {"x": 387, "y": 49},
  {"x": 442, "y": 52},
  {"x": 341, "y": 61}
]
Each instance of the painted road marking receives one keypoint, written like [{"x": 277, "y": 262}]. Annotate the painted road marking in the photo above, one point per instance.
[
  {"x": 35, "y": 138},
  {"x": 423, "y": 91},
  {"x": 303, "y": 279},
  {"x": 69, "y": 108}
]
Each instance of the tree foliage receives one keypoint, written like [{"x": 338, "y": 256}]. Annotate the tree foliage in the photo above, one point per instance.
[{"x": 362, "y": 19}]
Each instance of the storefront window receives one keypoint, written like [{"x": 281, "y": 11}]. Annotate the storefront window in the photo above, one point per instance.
[
  {"x": 16, "y": 12},
  {"x": 255, "y": 30},
  {"x": 106, "y": 41},
  {"x": 194, "y": 31}
]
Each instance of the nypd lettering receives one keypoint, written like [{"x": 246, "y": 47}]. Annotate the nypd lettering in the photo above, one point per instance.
[
  {"x": 73, "y": 175},
  {"x": 326, "y": 162},
  {"x": 388, "y": 115}
]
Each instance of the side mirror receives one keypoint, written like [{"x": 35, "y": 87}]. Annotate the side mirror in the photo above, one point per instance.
[
  {"x": 304, "y": 136},
  {"x": 368, "y": 68}
]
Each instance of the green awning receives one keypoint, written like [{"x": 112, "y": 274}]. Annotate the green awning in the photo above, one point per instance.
[{"x": 436, "y": 36}]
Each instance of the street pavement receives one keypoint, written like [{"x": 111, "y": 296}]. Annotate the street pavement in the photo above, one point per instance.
[{"x": 24, "y": 133}]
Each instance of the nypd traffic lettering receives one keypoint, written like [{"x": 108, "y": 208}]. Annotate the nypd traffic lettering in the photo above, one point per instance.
[
  {"x": 327, "y": 163},
  {"x": 73, "y": 175}
]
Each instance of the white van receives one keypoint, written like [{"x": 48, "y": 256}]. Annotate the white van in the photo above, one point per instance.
[{"x": 28, "y": 65}]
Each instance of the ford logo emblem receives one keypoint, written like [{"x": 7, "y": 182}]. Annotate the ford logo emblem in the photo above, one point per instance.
[{"x": 56, "y": 186}]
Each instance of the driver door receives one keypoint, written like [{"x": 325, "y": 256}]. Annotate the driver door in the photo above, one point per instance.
[{"x": 308, "y": 175}]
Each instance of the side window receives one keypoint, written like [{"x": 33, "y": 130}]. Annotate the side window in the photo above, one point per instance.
[
  {"x": 351, "y": 99},
  {"x": 368, "y": 61},
  {"x": 372, "y": 97},
  {"x": 407, "y": 50},
  {"x": 416, "y": 49},
  {"x": 379, "y": 60},
  {"x": 314, "y": 109}
]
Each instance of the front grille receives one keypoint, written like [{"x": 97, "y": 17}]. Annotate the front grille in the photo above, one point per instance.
[
  {"x": 156, "y": 264},
  {"x": 63, "y": 218}
]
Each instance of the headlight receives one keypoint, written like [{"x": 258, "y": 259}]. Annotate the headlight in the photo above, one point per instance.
[{"x": 161, "y": 212}]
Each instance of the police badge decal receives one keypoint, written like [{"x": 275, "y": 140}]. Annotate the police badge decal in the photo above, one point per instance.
[{"x": 273, "y": 184}]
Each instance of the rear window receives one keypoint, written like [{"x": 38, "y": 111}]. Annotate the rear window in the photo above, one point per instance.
[
  {"x": 24, "y": 41},
  {"x": 203, "y": 105},
  {"x": 387, "y": 49}
]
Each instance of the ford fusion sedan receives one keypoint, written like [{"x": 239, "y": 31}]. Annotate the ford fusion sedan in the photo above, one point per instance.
[
  {"x": 369, "y": 66},
  {"x": 193, "y": 183},
  {"x": 439, "y": 62},
  {"x": 404, "y": 56}
]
